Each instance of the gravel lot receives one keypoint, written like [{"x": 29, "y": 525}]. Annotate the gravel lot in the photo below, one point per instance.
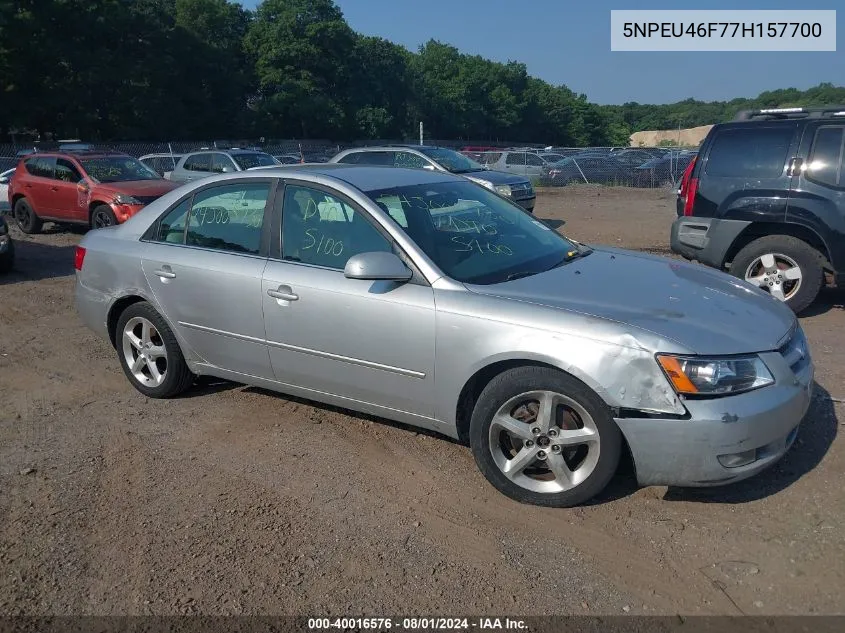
[{"x": 233, "y": 500}]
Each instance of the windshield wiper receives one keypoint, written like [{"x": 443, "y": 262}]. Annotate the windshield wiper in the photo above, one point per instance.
[{"x": 520, "y": 275}]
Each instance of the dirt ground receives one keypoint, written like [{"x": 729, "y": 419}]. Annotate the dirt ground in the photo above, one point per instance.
[{"x": 233, "y": 500}]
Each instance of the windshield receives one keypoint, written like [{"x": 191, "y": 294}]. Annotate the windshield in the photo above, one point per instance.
[
  {"x": 258, "y": 159},
  {"x": 473, "y": 235},
  {"x": 453, "y": 161},
  {"x": 117, "y": 169}
]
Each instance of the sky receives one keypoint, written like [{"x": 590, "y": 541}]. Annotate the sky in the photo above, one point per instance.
[{"x": 568, "y": 42}]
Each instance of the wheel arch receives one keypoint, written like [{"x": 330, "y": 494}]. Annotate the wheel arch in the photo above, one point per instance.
[
  {"x": 94, "y": 204},
  {"x": 756, "y": 230},
  {"x": 116, "y": 309}
]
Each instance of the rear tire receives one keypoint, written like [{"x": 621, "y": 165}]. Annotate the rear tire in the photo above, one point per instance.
[
  {"x": 785, "y": 253},
  {"x": 26, "y": 218},
  {"x": 149, "y": 353},
  {"x": 559, "y": 459}
]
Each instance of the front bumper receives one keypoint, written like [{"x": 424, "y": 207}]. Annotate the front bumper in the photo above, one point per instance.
[
  {"x": 762, "y": 423},
  {"x": 125, "y": 211},
  {"x": 706, "y": 240},
  {"x": 527, "y": 203}
]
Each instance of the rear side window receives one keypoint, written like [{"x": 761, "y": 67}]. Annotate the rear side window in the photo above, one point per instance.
[
  {"x": 350, "y": 159},
  {"x": 515, "y": 159},
  {"x": 376, "y": 158},
  {"x": 826, "y": 156},
  {"x": 757, "y": 152},
  {"x": 198, "y": 162},
  {"x": 40, "y": 166}
]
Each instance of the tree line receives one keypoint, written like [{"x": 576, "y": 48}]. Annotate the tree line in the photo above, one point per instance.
[{"x": 198, "y": 69}]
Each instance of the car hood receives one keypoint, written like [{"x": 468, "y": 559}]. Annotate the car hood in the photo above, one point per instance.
[
  {"x": 139, "y": 187},
  {"x": 704, "y": 310},
  {"x": 496, "y": 177}
]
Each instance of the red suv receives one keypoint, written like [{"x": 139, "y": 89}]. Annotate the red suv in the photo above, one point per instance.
[{"x": 96, "y": 188}]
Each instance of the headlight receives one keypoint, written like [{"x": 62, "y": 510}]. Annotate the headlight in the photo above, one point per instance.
[
  {"x": 124, "y": 199},
  {"x": 715, "y": 376},
  {"x": 483, "y": 183},
  {"x": 504, "y": 190}
]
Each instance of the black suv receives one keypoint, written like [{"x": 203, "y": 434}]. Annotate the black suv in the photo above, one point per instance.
[{"x": 765, "y": 198}]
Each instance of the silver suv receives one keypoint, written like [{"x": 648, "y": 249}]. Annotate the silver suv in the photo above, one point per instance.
[
  {"x": 518, "y": 189},
  {"x": 209, "y": 162}
]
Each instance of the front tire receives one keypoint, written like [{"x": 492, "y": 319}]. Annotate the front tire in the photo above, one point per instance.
[
  {"x": 542, "y": 437},
  {"x": 102, "y": 216},
  {"x": 150, "y": 354},
  {"x": 26, "y": 218},
  {"x": 786, "y": 267}
]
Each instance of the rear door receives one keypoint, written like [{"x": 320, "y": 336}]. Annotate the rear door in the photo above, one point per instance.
[
  {"x": 39, "y": 182},
  {"x": 195, "y": 167},
  {"x": 203, "y": 261},
  {"x": 817, "y": 197},
  {"x": 743, "y": 175}
]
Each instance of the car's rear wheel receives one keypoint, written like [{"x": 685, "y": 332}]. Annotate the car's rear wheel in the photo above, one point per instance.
[
  {"x": 102, "y": 216},
  {"x": 26, "y": 219},
  {"x": 786, "y": 267},
  {"x": 542, "y": 437},
  {"x": 150, "y": 354}
]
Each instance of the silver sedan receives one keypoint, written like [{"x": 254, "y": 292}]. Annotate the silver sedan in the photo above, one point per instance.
[{"x": 424, "y": 298}]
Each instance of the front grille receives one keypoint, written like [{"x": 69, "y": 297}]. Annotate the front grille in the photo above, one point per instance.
[
  {"x": 146, "y": 199},
  {"x": 522, "y": 190},
  {"x": 795, "y": 351}
]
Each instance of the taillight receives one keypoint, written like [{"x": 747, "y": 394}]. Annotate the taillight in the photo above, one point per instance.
[
  {"x": 78, "y": 258},
  {"x": 689, "y": 187}
]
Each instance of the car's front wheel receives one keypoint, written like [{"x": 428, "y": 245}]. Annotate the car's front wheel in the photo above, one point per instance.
[
  {"x": 150, "y": 354},
  {"x": 26, "y": 218},
  {"x": 102, "y": 216},
  {"x": 542, "y": 437}
]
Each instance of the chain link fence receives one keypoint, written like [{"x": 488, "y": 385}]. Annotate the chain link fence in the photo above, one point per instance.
[{"x": 545, "y": 166}]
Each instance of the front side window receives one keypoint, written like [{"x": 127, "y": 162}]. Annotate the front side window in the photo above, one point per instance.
[
  {"x": 221, "y": 163},
  {"x": 412, "y": 161},
  {"x": 534, "y": 160},
  {"x": 117, "y": 169},
  {"x": 758, "y": 152},
  {"x": 66, "y": 171},
  {"x": 255, "y": 159},
  {"x": 473, "y": 235},
  {"x": 826, "y": 156},
  {"x": 451, "y": 160},
  {"x": 322, "y": 230},
  {"x": 515, "y": 159}
]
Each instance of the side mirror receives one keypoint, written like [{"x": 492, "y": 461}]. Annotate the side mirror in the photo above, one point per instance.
[
  {"x": 225, "y": 170},
  {"x": 4, "y": 180},
  {"x": 377, "y": 266},
  {"x": 430, "y": 167}
]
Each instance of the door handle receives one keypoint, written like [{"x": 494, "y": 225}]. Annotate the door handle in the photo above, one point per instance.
[
  {"x": 284, "y": 293},
  {"x": 165, "y": 273},
  {"x": 794, "y": 167}
]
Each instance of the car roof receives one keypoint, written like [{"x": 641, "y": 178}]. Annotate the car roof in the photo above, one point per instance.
[
  {"x": 363, "y": 177},
  {"x": 78, "y": 154},
  {"x": 161, "y": 155},
  {"x": 387, "y": 148}
]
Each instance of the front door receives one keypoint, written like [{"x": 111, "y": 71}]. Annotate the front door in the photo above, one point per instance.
[
  {"x": 204, "y": 265},
  {"x": 367, "y": 341},
  {"x": 817, "y": 194},
  {"x": 65, "y": 201}
]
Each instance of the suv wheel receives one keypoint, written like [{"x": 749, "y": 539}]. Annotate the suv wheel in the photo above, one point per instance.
[
  {"x": 25, "y": 217},
  {"x": 542, "y": 437},
  {"x": 102, "y": 216},
  {"x": 788, "y": 268}
]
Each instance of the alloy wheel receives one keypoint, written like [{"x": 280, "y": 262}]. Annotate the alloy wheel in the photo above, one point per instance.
[
  {"x": 777, "y": 273},
  {"x": 544, "y": 441},
  {"x": 144, "y": 352},
  {"x": 101, "y": 220}
]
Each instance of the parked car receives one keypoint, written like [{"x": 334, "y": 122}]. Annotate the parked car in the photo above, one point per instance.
[
  {"x": 209, "y": 162},
  {"x": 462, "y": 314},
  {"x": 288, "y": 159},
  {"x": 517, "y": 188},
  {"x": 162, "y": 164},
  {"x": 632, "y": 158},
  {"x": 596, "y": 170},
  {"x": 93, "y": 188},
  {"x": 523, "y": 163},
  {"x": 7, "y": 247},
  {"x": 766, "y": 200},
  {"x": 4, "y": 190},
  {"x": 661, "y": 172}
]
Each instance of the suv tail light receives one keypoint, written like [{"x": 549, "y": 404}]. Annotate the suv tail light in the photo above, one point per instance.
[
  {"x": 78, "y": 257},
  {"x": 689, "y": 187}
]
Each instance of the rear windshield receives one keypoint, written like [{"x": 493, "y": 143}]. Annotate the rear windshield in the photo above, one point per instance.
[{"x": 758, "y": 152}]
